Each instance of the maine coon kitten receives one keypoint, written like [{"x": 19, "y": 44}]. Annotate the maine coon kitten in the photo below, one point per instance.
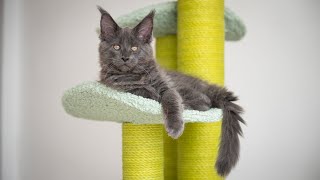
[{"x": 127, "y": 64}]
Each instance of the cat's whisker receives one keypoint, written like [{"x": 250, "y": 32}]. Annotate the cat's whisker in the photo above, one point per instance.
[{"x": 148, "y": 74}]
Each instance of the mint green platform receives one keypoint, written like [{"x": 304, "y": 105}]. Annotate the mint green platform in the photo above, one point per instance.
[
  {"x": 95, "y": 101},
  {"x": 165, "y": 21}
]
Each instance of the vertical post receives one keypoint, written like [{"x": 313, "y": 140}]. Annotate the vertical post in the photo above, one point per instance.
[
  {"x": 166, "y": 53},
  {"x": 201, "y": 54},
  {"x": 142, "y": 151}
]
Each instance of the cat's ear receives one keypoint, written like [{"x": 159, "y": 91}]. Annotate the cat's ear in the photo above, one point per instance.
[
  {"x": 108, "y": 27},
  {"x": 143, "y": 30}
]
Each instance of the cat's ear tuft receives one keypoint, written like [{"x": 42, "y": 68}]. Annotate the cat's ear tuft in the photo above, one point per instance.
[
  {"x": 102, "y": 11},
  {"x": 144, "y": 29},
  {"x": 108, "y": 27}
]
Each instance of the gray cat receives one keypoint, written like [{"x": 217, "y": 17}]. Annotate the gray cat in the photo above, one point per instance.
[{"x": 127, "y": 64}]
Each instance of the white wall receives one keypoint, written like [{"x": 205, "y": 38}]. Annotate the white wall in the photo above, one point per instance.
[
  {"x": 274, "y": 70},
  {"x": 11, "y": 76}
]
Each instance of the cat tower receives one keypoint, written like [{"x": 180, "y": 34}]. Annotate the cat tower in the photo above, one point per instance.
[{"x": 190, "y": 37}]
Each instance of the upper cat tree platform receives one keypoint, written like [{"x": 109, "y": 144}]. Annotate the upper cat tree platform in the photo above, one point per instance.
[
  {"x": 95, "y": 101},
  {"x": 165, "y": 21}
]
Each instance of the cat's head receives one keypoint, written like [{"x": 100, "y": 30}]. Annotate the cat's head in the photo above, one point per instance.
[{"x": 125, "y": 48}]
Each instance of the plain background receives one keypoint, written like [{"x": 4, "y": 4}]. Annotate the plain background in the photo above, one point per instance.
[{"x": 50, "y": 46}]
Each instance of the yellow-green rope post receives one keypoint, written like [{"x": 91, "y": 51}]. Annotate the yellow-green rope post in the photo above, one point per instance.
[
  {"x": 142, "y": 151},
  {"x": 200, "y": 53},
  {"x": 166, "y": 53}
]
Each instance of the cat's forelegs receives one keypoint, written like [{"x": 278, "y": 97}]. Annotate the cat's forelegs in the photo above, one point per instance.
[{"x": 172, "y": 109}]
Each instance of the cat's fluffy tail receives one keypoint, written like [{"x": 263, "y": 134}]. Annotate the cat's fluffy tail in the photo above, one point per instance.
[{"x": 231, "y": 130}]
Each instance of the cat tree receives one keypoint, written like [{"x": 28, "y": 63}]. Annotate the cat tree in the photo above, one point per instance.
[{"x": 190, "y": 38}]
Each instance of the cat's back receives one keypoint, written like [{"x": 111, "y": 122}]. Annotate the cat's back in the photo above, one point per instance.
[{"x": 181, "y": 80}]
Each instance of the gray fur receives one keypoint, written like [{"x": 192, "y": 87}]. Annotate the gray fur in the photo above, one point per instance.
[{"x": 142, "y": 76}]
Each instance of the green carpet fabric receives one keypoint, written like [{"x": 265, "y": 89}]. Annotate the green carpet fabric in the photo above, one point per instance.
[{"x": 95, "y": 101}]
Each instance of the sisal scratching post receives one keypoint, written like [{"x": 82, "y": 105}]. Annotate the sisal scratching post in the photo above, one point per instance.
[
  {"x": 142, "y": 154},
  {"x": 200, "y": 53},
  {"x": 166, "y": 52}
]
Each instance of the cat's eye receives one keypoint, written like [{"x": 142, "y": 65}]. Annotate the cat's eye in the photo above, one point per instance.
[
  {"x": 134, "y": 48},
  {"x": 116, "y": 47}
]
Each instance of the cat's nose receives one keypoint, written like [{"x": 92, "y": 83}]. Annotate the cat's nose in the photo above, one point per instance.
[{"x": 125, "y": 59}]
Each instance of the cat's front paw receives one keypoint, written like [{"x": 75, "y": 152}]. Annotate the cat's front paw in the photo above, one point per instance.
[{"x": 175, "y": 128}]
